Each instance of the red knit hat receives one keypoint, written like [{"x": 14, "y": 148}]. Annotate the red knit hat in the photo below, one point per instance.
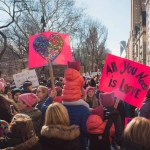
[
  {"x": 74, "y": 65},
  {"x": 29, "y": 99}
]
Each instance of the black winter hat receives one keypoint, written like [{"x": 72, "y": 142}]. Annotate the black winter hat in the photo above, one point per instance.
[
  {"x": 59, "y": 83},
  {"x": 15, "y": 90},
  {"x": 26, "y": 84}
]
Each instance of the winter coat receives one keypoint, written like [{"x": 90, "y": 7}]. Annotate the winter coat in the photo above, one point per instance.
[
  {"x": 145, "y": 109},
  {"x": 11, "y": 142},
  {"x": 132, "y": 146},
  {"x": 42, "y": 105},
  {"x": 95, "y": 125},
  {"x": 78, "y": 115},
  {"x": 58, "y": 99},
  {"x": 47, "y": 102},
  {"x": 96, "y": 129},
  {"x": 59, "y": 137},
  {"x": 25, "y": 91},
  {"x": 39, "y": 104},
  {"x": 73, "y": 82},
  {"x": 5, "y": 114},
  {"x": 36, "y": 117},
  {"x": 114, "y": 117}
]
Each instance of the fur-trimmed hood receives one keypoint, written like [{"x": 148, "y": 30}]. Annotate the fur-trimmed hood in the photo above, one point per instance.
[
  {"x": 61, "y": 132},
  {"x": 33, "y": 141}
]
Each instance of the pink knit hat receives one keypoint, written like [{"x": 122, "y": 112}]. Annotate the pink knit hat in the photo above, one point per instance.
[
  {"x": 89, "y": 88},
  {"x": 2, "y": 80},
  {"x": 74, "y": 64},
  {"x": 2, "y": 86},
  {"x": 107, "y": 99},
  {"x": 29, "y": 99}
]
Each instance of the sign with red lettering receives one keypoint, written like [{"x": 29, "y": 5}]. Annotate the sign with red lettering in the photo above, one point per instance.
[{"x": 129, "y": 80}]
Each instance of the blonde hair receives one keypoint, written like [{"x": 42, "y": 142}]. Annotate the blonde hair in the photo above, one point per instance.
[
  {"x": 56, "y": 114},
  {"x": 138, "y": 132},
  {"x": 22, "y": 126},
  {"x": 44, "y": 90}
]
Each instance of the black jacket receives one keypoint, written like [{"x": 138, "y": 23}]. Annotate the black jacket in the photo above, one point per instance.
[
  {"x": 132, "y": 146},
  {"x": 98, "y": 142},
  {"x": 58, "y": 137}
]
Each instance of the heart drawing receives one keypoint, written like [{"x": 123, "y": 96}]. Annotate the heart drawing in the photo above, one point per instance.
[
  {"x": 127, "y": 88},
  {"x": 48, "y": 48}
]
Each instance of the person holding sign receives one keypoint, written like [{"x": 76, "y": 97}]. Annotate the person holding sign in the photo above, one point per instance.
[
  {"x": 145, "y": 109},
  {"x": 43, "y": 94}
]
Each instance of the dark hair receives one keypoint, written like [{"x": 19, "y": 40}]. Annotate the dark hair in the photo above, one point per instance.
[
  {"x": 26, "y": 84},
  {"x": 92, "y": 82},
  {"x": 14, "y": 91},
  {"x": 5, "y": 111}
]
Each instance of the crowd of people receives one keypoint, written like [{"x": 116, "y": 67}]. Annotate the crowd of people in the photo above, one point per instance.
[{"x": 73, "y": 116}]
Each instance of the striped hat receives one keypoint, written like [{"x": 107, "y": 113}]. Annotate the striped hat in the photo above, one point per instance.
[{"x": 3, "y": 128}]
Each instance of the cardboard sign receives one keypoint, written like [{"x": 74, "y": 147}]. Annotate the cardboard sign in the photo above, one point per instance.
[
  {"x": 29, "y": 75},
  {"x": 127, "y": 79},
  {"x": 49, "y": 45}
]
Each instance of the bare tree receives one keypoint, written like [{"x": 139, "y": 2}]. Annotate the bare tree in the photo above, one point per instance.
[
  {"x": 91, "y": 48},
  {"x": 33, "y": 17},
  {"x": 10, "y": 10}
]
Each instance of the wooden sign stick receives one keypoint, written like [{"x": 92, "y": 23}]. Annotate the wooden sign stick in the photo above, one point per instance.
[{"x": 51, "y": 73}]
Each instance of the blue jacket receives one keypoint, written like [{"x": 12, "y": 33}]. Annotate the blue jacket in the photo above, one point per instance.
[
  {"x": 78, "y": 115},
  {"x": 47, "y": 102}
]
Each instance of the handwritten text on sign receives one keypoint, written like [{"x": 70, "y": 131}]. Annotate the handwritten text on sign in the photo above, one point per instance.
[
  {"x": 129, "y": 80},
  {"x": 29, "y": 75}
]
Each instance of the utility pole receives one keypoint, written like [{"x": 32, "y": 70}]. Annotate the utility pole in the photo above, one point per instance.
[{"x": 43, "y": 16}]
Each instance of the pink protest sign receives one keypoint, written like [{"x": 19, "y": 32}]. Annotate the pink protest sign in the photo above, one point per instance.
[
  {"x": 51, "y": 45},
  {"x": 127, "y": 79}
]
